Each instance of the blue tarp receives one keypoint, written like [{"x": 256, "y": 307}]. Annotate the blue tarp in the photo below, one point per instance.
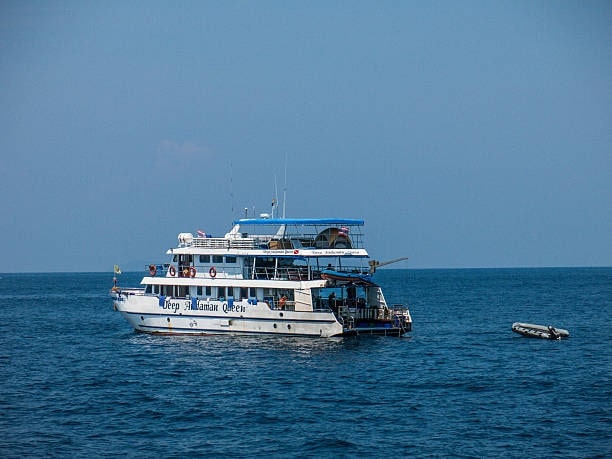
[{"x": 298, "y": 221}]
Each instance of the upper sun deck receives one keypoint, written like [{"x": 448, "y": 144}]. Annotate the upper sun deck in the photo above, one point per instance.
[{"x": 288, "y": 236}]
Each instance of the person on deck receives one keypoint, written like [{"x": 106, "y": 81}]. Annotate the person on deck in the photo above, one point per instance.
[
  {"x": 331, "y": 302},
  {"x": 553, "y": 333}
]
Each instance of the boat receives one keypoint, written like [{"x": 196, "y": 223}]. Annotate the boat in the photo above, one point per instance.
[
  {"x": 539, "y": 331},
  {"x": 275, "y": 276}
]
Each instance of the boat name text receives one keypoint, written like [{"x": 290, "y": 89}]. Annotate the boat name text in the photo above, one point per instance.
[{"x": 186, "y": 305}]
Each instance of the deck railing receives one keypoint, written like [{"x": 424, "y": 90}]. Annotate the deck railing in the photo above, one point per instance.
[
  {"x": 222, "y": 243},
  {"x": 262, "y": 242}
]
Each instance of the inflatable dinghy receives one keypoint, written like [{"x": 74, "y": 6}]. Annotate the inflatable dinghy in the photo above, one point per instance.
[{"x": 539, "y": 331}]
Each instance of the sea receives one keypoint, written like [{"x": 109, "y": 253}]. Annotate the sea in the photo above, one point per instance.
[{"x": 77, "y": 381}]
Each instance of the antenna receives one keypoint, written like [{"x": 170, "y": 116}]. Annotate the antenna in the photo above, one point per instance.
[
  {"x": 285, "y": 188},
  {"x": 231, "y": 184},
  {"x": 275, "y": 198}
]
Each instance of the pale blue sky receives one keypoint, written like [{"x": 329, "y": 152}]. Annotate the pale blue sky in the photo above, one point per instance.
[{"x": 466, "y": 134}]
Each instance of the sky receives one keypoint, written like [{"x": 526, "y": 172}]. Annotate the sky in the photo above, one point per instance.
[{"x": 466, "y": 134}]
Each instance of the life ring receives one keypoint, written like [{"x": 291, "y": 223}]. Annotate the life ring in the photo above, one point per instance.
[
  {"x": 152, "y": 270},
  {"x": 192, "y": 271},
  {"x": 212, "y": 271},
  {"x": 172, "y": 271}
]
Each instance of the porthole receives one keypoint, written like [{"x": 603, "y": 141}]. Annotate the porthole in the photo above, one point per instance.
[
  {"x": 168, "y": 319},
  {"x": 274, "y": 325},
  {"x": 281, "y": 314},
  {"x": 289, "y": 326}
]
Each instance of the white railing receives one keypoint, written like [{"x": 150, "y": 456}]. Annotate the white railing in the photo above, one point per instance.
[
  {"x": 222, "y": 243},
  {"x": 268, "y": 242}
]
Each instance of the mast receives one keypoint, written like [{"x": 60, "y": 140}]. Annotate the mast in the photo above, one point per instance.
[
  {"x": 285, "y": 187},
  {"x": 275, "y": 198}
]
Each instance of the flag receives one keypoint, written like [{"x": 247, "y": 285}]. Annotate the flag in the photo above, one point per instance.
[{"x": 117, "y": 269}]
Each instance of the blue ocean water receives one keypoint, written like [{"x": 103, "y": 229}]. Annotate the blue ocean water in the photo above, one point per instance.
[{"x": 77, "y": 381}]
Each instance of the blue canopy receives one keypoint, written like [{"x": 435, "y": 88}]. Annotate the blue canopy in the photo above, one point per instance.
[{"x": 298, "y": 221}]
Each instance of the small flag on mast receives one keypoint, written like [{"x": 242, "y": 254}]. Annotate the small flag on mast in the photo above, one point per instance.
[{"x": 117, "y": 269}]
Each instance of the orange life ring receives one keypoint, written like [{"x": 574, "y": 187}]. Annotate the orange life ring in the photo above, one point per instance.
[
  {"x": 172, "y": 271},
  {"x": 212, "y": 271},
  {"x": 192, "y": 271},
  {"x": 152, "y": 270}
]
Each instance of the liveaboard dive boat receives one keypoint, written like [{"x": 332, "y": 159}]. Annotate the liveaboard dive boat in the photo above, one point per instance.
[
  {"x": 278, "y": 276},
  {"x": 539, "y": 331}
]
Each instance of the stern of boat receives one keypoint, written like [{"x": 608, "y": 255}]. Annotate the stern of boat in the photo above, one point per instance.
[{"x": 395, "y": 321}]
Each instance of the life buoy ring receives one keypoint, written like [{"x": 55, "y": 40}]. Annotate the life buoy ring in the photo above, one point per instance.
[
  {"x": 212, "y": 271},
  {"x": 192, "y": 271},
  {"x": 152, "y": 270},
  {"x": 172, "y": 271}
]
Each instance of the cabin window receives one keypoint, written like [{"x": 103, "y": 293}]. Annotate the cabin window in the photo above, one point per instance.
[
  {"x": 199, "y": 290},
  {"x": 217, "y": 258},
  {"x": 149, "y": 289},
  {"x": 208, "y": 291},
  {"x": 204, "y": 258},
  {"x": 252, "y": 292},
  {"x": 220, "y": 292},
  {"x": 244, "y": 292},
  {"x": 185, "y": 259},
  {"x": 230, "y": 259}
]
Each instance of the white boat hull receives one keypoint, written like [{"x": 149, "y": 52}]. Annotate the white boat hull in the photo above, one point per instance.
[{"x": 182, "y": 316}]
